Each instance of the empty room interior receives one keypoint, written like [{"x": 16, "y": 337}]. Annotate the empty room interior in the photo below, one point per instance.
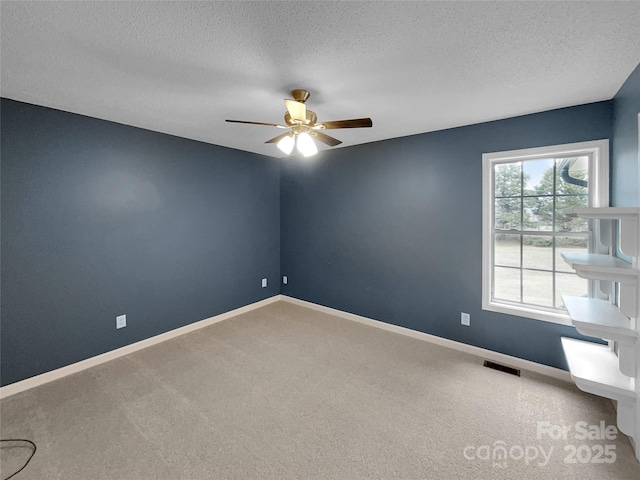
[{"x": 422, "y": 264}]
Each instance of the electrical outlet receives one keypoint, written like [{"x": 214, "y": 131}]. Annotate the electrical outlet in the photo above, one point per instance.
[
  {"x": 121, "y": 321},
  {"x": 264, "y": 283},
  {"x": 465, "y": 319},
  {"x": 284, "y": 279}
]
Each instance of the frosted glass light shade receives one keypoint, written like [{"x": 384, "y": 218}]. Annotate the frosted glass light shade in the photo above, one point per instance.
[
  {"x": 286, "y": 144},
  {"x": 306, "y": 145}
]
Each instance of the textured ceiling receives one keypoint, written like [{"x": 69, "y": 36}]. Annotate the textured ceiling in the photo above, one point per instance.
[{"x": 183, "y": 67}]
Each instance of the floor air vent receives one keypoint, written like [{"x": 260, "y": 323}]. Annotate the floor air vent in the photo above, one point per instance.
[{"x": 502, "y": 368}]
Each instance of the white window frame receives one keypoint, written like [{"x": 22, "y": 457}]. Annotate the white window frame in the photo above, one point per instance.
[{"x": 598, "y": 152}]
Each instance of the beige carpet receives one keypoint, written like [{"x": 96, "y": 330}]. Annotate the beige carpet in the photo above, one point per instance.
[{"x": 285, "y": 392}]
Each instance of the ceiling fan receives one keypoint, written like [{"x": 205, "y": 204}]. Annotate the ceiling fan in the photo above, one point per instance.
[{"x": 304, "y": 126}]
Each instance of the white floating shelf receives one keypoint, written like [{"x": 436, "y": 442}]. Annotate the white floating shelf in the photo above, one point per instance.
[
  {"x": 600, "y": 319},
  {"x": 628, "y": 217},
  {"x": 594, "y": 266},
  {"x": 609, "y": 371},
  {"x": 594, "y": 369},
  {"x": 605, "y": 213}
]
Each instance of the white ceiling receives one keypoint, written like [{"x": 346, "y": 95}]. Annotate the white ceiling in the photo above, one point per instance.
[{"x": 184, "y": 67}]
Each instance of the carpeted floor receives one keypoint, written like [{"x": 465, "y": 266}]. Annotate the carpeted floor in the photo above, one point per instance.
[{"x": 284, "y": 392}]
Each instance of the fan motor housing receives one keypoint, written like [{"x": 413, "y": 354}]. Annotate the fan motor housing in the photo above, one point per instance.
[{"x": 311, "y": 120}]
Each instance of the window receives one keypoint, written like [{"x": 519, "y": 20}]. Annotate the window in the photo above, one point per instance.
[{"x": 525, "y": 229}]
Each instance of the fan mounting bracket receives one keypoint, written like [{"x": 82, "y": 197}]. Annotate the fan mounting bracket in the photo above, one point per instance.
[{"x": 300, "y": 95}]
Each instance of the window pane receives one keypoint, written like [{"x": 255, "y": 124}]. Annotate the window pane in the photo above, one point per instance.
[
  {"x": 537, "y": 288},
  {"x": 568, "y": 244},
  {"x": 538, "y": 213},
  {"x": 528, "y": 229},
  {"x": 537, "y": 252},
  {"x": 538, "y": 176},
  {"x": 507, "y": 250},
  {"x": 572, "y": 176},
  {"x": 570, "y": 284},
  {"x": 507, "y": 284},
  {"x": 508, "y": 180},
  {"x": 508, "y": 214},
  {"x": 571, "y": 224}
]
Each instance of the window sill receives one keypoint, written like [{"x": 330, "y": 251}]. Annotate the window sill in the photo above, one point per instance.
[{"x": 528, "y": 312}]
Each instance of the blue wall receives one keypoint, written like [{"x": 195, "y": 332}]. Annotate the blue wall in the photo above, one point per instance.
[
  {"x": 393, "y": 230},
  {"x": 101, "y": 219},
  {"x": 625, "y": 171}
]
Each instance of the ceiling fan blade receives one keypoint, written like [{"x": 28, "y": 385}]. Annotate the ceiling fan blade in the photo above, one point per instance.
[
  {"x": 324, "y": 138},
  {"x": 354, "y": 123},
  {"x": 257, "y": 123},
  {"x": 297, "y": 110},
  {"x": 278, "y": 138}
]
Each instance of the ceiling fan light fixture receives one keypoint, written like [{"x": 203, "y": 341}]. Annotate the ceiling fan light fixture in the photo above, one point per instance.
[
  {"x": 286, "y": 144},
  {"x": 306, "y": 145},
  {"x": 305, "y": 127}
]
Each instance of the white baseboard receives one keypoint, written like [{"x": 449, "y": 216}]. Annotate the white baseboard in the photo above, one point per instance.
[
  {"x": 43, "y": 378},
  {"x": 463, "y": 347}
]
